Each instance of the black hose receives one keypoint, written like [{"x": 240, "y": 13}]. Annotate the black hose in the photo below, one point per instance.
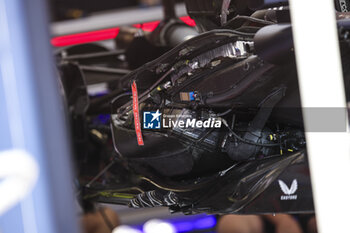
[{"x": 118, "y": 97}]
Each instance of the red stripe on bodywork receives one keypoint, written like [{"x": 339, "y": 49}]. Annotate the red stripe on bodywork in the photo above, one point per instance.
[{"x": 106, "y": 34}]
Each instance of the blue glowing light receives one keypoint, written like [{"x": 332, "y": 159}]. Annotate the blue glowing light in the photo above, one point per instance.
[
  {"x": 205, "y": 223},
  {"x": 101, "y": 119},
  {"x": 199, "y": 222}
]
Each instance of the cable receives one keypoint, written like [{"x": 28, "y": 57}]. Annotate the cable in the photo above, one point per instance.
[
  {"x": 143, "y": 96},
  {"x": 100, "y": 173},
  {"x": 157, "y": 82},
  {"x": 119, "y": 96},
  {"x": 106, "y": 219},
  {"x": 249, "y": 18},
  {"x": 242, "y": 33},
  {"x": 246, "y": 140},
  {"x": 224, "y": 113}
]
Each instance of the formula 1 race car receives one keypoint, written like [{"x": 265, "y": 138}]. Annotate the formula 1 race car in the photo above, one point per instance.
[{"x": 203, "y": 119}]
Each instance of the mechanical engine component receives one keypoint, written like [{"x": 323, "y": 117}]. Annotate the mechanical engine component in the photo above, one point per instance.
[{"x": 219, "y": 113}]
